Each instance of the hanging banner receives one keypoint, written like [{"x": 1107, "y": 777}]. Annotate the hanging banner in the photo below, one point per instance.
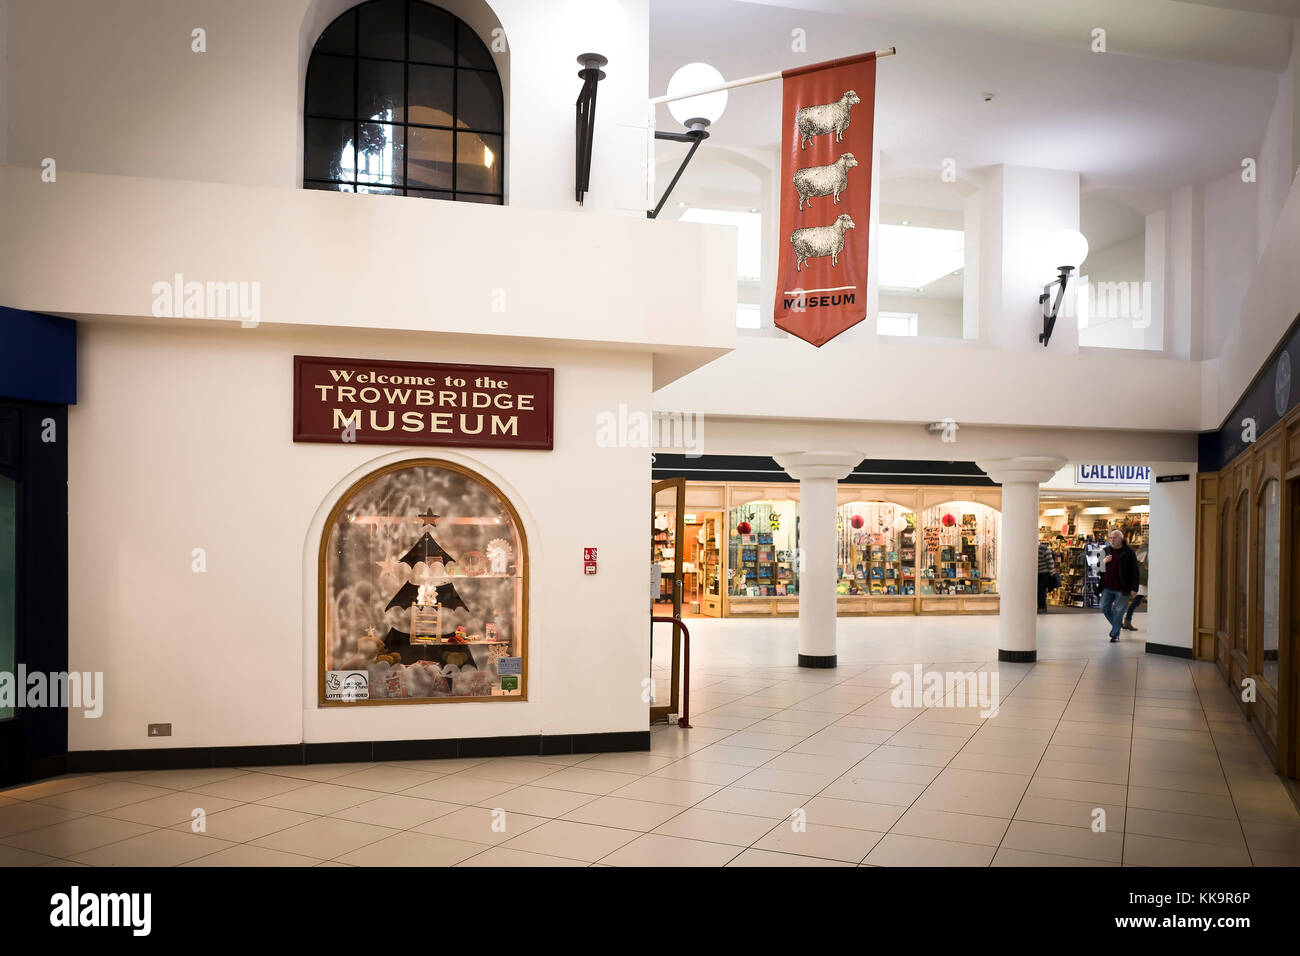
[{"x": 828, "y": 119}]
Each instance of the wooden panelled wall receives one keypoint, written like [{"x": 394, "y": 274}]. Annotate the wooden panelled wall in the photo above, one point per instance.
[{"x": 1230, "y": 599}]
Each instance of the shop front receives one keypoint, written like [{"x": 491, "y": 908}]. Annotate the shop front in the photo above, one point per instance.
[
  {"x": 900, "y": 548},
  {"x": 1077, "y": 510}
]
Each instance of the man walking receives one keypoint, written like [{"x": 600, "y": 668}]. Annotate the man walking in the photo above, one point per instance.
[
  {"x": 1119, "y": 581},
  {"x": 1134, "y": 604}
]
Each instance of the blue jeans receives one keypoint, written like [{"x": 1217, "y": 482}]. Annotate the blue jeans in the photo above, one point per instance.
[
  {"x": 1113, "y": 604},
  {"x": 1136, "y": 603}
]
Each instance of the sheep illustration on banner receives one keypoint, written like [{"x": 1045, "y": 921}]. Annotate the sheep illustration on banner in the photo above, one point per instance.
[{"x": 827, "y": 128}]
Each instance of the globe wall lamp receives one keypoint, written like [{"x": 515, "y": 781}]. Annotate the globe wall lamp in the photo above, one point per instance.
[
  {"x": 696, "y": 111},
  {"x": 1065, "y": 250}
]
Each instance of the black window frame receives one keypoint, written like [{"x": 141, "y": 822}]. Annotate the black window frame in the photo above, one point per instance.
[{"x": 456, "y": 68}]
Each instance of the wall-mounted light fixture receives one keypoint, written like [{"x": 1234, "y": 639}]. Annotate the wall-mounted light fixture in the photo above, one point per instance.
[
  {"x": 696, "y": 113},
  {"x": 1065, "y": 251},
  {"x": 591, "y": 74}
]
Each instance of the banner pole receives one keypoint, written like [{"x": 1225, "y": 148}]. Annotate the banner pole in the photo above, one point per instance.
[{"x": 745, "y": 81}]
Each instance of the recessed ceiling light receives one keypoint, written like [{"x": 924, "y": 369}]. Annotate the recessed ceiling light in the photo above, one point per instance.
[
  {"x": 906, "y": 222},
  {"x": 753, "y": 209},
  {"x": 681, "y": 205},
  {"x": 922, "y": 289}
]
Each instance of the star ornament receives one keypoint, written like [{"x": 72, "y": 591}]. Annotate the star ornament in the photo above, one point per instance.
[{"x": 429, "y": 518}]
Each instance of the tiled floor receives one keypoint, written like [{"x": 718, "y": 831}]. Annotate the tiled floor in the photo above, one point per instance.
[{"x": 1153, "y": 744}]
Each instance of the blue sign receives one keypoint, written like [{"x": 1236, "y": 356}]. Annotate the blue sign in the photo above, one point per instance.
[
  {"x": 1112, "y": 475},
  {"x": 510, "y": 665}
]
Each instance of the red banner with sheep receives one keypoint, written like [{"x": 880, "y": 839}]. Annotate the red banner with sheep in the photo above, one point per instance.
[{"x": 827, "y": 125}]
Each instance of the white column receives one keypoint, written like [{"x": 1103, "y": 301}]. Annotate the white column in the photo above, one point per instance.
[
  {"x": 818, "y": 472},
  {"x": 1018, "y": 552}
]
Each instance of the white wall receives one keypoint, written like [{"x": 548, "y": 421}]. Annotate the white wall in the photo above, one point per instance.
[
  {"x": 97, "y": 245},
  {"x": 1172, "y": 558},
  {"x": 935, "y": 318},
  {"x": 182, "y": 440},
  {"x": 4, "y": 81},
  {"x": 1278, "y": 155},
  {"x": 234, "y": 113},
  {"x": 1229, "y": 260},
  {"x": 1123, "y": 261}
]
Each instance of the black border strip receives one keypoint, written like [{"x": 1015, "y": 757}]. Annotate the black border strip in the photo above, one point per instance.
[
  {"x": 189, "y": 758},
  {"x": 871, "y": 471},
  {"x": 1170, "y": 650}
]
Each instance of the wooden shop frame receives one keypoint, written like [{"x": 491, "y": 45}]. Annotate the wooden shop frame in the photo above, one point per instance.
[{"x": 521, "y": 560}]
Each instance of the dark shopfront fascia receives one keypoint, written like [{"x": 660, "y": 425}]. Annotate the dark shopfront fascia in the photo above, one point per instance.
[
  {"x": 915, "y": 537},
  {"x": 1248, "y": 554},
  {"x": 37, "y": 383}
]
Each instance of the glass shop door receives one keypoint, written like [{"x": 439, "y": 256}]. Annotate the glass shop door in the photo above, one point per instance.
[{"x": 667, "y": 545}]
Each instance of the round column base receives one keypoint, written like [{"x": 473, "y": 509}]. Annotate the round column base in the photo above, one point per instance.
[
  {"x": 809, "y": 660},
  {"x": 1017, "y": 657}
]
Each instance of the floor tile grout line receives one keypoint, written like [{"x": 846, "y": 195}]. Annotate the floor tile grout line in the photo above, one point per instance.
[
  {"x": 1219, "y": 756},
  {"x": 1059, "y": 720}
]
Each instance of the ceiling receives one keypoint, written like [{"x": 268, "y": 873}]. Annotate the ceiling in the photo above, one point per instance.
[{"x": 1183, "y": 93}]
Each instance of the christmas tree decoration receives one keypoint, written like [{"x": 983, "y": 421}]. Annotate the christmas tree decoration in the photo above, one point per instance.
[
  {"x": 426, "y": 550},
  {"x": 857, "y": 521},
  {"x": 743, "y": 527},
  {"x": 429, "y": 518},
  {"x": 948, "y": 520},
  {"x": 901, "y": 523}
]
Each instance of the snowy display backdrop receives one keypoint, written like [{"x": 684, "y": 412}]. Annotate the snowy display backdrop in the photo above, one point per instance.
[{"x": 432, "y": 530}]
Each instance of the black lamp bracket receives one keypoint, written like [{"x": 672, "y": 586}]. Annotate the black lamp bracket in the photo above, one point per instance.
[
  {"x": 1049, "y": 315},
  {"x": 697, "y": 131}
]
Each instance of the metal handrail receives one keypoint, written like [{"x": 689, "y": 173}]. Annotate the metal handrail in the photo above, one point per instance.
[{"x": 684, "y": 719}]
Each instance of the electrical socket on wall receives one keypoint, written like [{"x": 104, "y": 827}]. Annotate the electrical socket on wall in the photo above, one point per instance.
[{"x": 160, "y": 730}]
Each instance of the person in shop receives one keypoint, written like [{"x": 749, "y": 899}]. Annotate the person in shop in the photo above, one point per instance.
[
  {"x": 1142, "y": 590},
  {"x": 1046, "y": 571},
  {"x": 1119, "y": 581}
]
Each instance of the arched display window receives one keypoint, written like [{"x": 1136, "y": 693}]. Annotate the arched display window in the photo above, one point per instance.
[
  {"x": 423, "y": 590},
  {"x": 958, "y": 549},
  {"x": 876, "y": 549},
  {"x": 1269, "y": 565},
  {"x": 763, "y": 543}
]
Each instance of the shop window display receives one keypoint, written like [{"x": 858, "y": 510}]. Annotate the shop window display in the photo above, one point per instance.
[
  {"x": 958, "y": 549},
  {"x": 876, "y": 549},
  {"x": 763, "y": 543},
  {"x": 423, "y": 584}
]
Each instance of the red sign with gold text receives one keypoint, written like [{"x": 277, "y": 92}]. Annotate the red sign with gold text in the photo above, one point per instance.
[
  {"x": 377, "y": 402},
  {"x": 827, "y": 125}
]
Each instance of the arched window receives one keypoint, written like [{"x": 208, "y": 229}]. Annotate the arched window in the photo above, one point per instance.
[
  {"x": 1241, "y": 576},
  {"x": 403, "y": 99},
  {"x": 423, "y": 577},
  {"x": 1268, "y": 563}
]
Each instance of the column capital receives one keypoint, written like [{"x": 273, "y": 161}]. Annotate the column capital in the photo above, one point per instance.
[
  {"x": 1033, "y": 469},
  {"x": 836, "y": 465}
]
